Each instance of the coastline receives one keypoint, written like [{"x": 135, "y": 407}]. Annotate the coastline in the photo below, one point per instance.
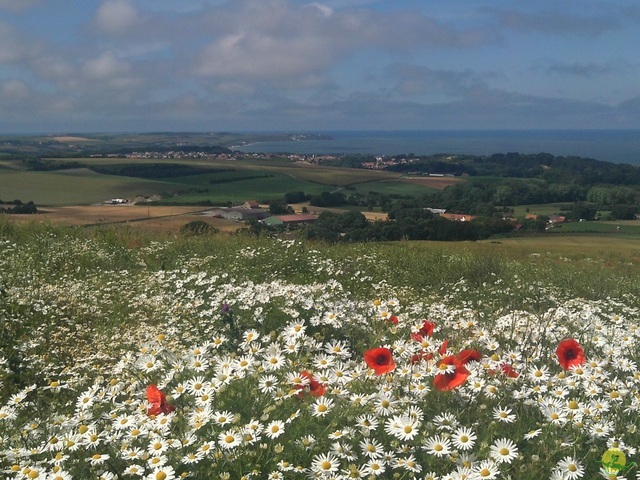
[{"x": 616, "y": 146}]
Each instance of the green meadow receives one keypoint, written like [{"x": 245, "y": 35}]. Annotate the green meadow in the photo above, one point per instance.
[
  {"x": 130, "y": 355},
  {"x": 214, "y": 181},
  {"x": 76, "y": 187}
]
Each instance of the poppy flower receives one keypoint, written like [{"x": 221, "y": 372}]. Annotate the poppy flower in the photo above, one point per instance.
[
  {"x": 380, "y": 360},
  {"x": 448, "y": 381},
  {"x": 509, "y": 371},
  {"x": 425, "y": 331},
  {"x": 313, "y": 388},
  {"x": 469, "y": 355},
  {"x": 443, "y": 348},
  {"x": 393, "y": 319},
  {"x": 418, "y": 357},
  {"x": 570, "y": 353},
  {"x": 158, "y": 401}
]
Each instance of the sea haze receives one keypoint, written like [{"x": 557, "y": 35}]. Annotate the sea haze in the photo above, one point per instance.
[{"x": 618, "y": 146}]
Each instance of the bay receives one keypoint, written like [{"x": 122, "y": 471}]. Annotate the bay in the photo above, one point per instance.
[{"x": 617, "y": 146}]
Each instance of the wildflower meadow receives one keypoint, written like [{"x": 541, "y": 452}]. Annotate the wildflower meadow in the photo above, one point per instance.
[{"x": 126, "y": 357}]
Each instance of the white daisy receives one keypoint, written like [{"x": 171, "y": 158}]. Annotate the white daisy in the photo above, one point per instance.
[
  {"x": 325, "y": 463},
  {"x": 438, "y": 446},
  {"x": 503, "y": 450},
  {"x": 571, "y": 468},
  {"x": 464, "y": 438},
  {"x": 274, "y": 429}
]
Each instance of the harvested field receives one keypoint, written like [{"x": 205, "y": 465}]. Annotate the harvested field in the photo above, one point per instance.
[
  {"x": 439, "y": 183},
  {"x": 72, "y": 139},
  {"x": 156, "y": 218}
]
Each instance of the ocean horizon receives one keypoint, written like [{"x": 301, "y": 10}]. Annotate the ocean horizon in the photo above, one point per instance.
[{"x": 617, "y": 146}]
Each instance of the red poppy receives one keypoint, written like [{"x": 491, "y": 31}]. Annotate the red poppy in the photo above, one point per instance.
[
  {"x": 509, "y": 371},
  {"x": 469, "y": 355},
  {"x": 570, "y": 353},
  {"x": 418, "y": 357},
  {"x": 380, "y": 360},
  {"x": 425, "y": 331},
  {"x": 443, "y": 348},
  {"x": 393, "y": 319},
  {"x": 448, "y": 381},
  {"x": 158, "y": 401},
  {"x": 313, "y": 388}
]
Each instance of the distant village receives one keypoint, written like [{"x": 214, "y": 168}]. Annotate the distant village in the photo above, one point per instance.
[{"x": 378, "y": 163}]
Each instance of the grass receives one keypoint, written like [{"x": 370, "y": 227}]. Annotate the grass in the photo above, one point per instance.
[
  {"x": 91, "y": 318},
  {"x": 73, "y": 188},
  {"x": 538, "y": 209},
  {"x": 239, "y": 190},
  {"x": 622, "y": 227},
  {"x": 241, "y": 180}
]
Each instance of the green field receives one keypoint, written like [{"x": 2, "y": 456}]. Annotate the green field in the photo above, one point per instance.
[
  {"x": 256, "y": 187},
  {"x": 222, "y": 181},
  {"x": 72, "y": 187},
  {"x": 621, "y": 227},
  {"x": 538, "y": 209}
]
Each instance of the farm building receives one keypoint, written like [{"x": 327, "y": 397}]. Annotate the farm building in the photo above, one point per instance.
[
  {"x": 458, "y": 217},
  {"x": 238, "y": 214},
  {"x": 250, "y": 204}
]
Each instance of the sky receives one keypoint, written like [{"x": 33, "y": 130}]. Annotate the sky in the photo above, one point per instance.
[{"x": 291, "y": 65}]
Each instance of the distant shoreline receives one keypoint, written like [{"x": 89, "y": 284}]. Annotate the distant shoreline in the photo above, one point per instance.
[{"x": 617, "y": 146}]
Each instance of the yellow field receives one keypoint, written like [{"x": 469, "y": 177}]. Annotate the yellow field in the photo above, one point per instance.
[{"x": 156, "y": 219}]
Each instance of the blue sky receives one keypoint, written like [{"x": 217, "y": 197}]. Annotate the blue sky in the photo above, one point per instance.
[{"x": 239, "y": 65}]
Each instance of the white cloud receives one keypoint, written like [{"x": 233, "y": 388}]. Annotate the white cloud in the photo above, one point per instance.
[
  {"x": 115, "y": 17},
  {"x": 277, "y": 40}
]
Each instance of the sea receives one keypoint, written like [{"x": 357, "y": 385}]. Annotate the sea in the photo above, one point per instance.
[{"x": 617, "y": 146}]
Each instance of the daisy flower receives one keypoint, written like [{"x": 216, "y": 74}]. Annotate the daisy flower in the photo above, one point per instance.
[
  {"x": 274, "y": 429},
  {"x": 504, "y": 415},
  {"x": 374, "y": 467},
  {"x": 166, "y": 472},
  {"x": 268, "y": 383},
  {"x": 229, "y": 439},
  {"x": 464, "y": 438},
  {"x": 325, "y": 463},
  {"x": 321, "y": 407},
  {"x": 504, "y": 450},
  {"x": 571, "y": 468},
  {"x": 532, "y": 434},
  {"x": 402, "y": 427},
  {"x": 487, "y": 469},
  {"x": 438, "y": 446},
  {"x": 372, "y": 448},
  {"x": 222, "y": 418}
]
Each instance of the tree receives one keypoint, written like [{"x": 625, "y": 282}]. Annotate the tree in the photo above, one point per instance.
[
  {"x": 623, "y": 212},
  {"x": 582, "y": 211},
  {"x": 279, "y": 207},
  {"x": 295, "y": 197}
]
